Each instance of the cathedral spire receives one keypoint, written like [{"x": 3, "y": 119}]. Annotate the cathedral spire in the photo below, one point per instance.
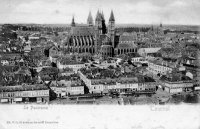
[
  {"x": 112, "y": 18},
  {"x": 90, "y": 19},
  {"x": 73, "y": 22},
  {"x": 98, "y": 16},
  {"x": 102, "y": 16}
]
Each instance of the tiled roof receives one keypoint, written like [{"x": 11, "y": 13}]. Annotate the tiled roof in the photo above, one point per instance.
[
  {"x": 82, "y": 31},
  {"x": 151, "y": 50},
  {"x": 126, "y": 45},
  {"x": 23, "y": 88},
  {"x": 126, "y": 38},
  {"x": 132, "y": 55},
  {"x": 142, "y": 79},
  {"x": 23, "y": 70},
  {"x": 175, "y": 78},
  {"x": 70, "y": 62},
  {"x": 164, "y": 63}
]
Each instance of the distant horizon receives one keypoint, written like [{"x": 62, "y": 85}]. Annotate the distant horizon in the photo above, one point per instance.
[
  {"x": 117, "y": 24},
  {"x": 169, "y": 12}
]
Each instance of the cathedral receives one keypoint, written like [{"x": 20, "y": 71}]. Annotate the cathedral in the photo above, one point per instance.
[{"x": 96, "y": 38}]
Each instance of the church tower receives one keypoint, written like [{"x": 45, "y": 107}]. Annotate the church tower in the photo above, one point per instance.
[
  {"x": 98, "y": 31},
  {"x": 90, "y": 19},
  {"x": 73, "y": 22},
  {"x": 111, "y": 28},
  {"x": 103, "y": 24},
  {"x": 98, "y": 23}
]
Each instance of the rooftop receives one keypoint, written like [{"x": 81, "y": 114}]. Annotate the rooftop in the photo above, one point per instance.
[
  {"x": 82, "y": 31},
  {"x": 161, "y": 62},
  {"x": 142, "y": 79},
  {"x": 66, "y": 61},
  {"x": 123, "y": 38},
  {"x": 23, "y": 88},
  {"x": 175, "y": 78},
  {"x": 150, "y": 50}
]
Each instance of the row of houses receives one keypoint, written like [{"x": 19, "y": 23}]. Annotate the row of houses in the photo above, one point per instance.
[
  {"x": 159, "y": 67},
  {"x": 124, "y": 84},
  {"x": 37, "y": 93}
]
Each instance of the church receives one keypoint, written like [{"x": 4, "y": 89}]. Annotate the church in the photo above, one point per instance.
[{"x": 96, "y": 38}]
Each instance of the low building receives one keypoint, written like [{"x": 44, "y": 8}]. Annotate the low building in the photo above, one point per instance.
[
  {"x": 176, "y": 83},
  {"x": 64, "y": 88},
  {"x": 54, "y": 51},
  {"x": 27, "y": 47},
  {"x": 144, "y": 52},
  {"x": 66, "y": 72},
  {"x": 160, "y": 67},
  {"x": 122, "y": 84},
  {"x": 146, "y": 83},
  {"x": 64, "y": 63},
  {"x": 106, "y": 63},
  {"x": 137, "y": 58},
  {"x": 60, "y": 90},
  {"x": 37, "y": 93}
]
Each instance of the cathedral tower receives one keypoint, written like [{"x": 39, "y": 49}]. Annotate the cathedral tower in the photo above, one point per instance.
[
  {"x": 73, "y": 22},
  {"x": 98, "y": 31},
  {"x": 103, "y": 24},
  {"x": 90, "y": 19},
  {"x": 111, "y": 28},
  {"x": 98, "y": 23}
]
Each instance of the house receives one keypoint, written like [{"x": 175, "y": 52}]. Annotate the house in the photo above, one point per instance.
[
  {"x": 160, "y": 66},
  {"x": 146, "y": 83},
  {"x": 37, "y": 93},
  {"x": 106, "y": 63},
  {"x": 27, "y": 46},
  {"x": 60, "y": 90},
  {"x": 69, "y": 63},
  {"x": 66, "y": 72},
  {"x": 54, "y": 51},
  {"x": 137, "y": 58},
  {"x": 48, "y": 73},
  {"x": 64, "y": 88},
  {"x": 176, "y": 83},
  {"x": 144, "y": 52}
]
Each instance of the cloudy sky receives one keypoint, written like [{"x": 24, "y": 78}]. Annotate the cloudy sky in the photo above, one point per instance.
[{"x": 125, "y": 11}]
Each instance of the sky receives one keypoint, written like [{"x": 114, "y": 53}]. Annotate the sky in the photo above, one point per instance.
[{"x": 186, "y": 12}]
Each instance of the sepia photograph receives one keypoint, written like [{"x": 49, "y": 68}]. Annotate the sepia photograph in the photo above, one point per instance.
[{"x": 99, "y": 64}]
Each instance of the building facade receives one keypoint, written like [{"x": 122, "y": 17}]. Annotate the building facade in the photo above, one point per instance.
[
  {"x": 24, "y": 94},
  {"x": 121, "y": 85}
]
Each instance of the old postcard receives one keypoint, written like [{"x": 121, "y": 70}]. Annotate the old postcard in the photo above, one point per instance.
[{"x": 111, "y": 64}]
